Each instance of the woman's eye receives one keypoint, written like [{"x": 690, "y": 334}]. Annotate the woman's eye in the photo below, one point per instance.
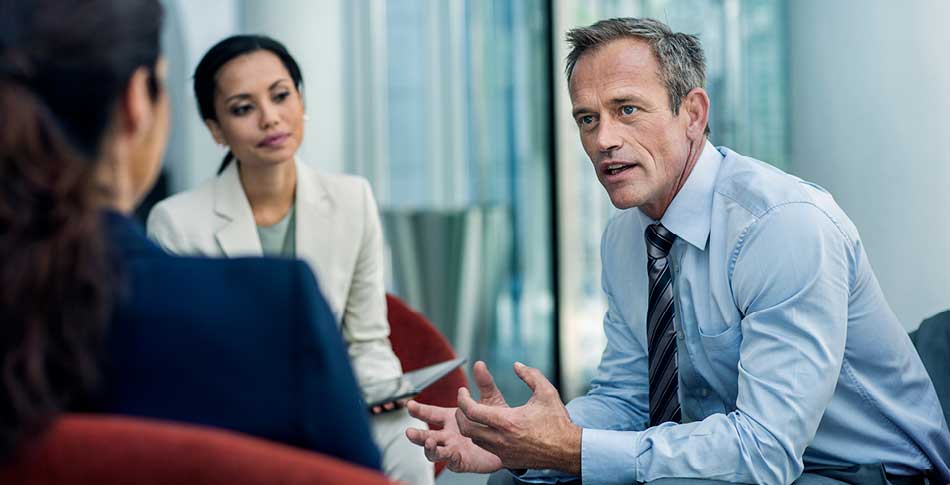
[
  {"x": 241, "y": 110},
  {"x": 281, "y": 97},
  {"x": 628, "y": 110}
]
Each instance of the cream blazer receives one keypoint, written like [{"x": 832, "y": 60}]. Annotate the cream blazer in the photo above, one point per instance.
[{"x": 337, "y": 232}]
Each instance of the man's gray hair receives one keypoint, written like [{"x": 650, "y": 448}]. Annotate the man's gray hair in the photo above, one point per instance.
[{"x": 680, "y": 56}]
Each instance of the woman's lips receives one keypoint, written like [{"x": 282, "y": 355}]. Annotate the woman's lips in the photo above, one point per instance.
[{"x": 273, "y": 141}]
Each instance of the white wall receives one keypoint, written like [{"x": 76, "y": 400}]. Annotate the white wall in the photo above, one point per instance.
[
  {"x": 312, "y": 32},
  {"x": 870, "y": 119},
  {"x": 191, "y": 28}
]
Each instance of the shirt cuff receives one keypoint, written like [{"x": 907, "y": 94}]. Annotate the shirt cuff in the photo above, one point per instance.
[{"x": 609, "y": 456}]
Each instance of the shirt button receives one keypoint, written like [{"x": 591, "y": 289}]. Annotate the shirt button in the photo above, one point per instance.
[{"x": 704, "y": 392}]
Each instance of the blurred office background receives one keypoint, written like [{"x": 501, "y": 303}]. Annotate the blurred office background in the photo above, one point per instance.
[{"x": 458, "y": 114}]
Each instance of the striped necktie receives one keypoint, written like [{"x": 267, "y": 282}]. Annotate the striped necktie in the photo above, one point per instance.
[{"x": 664, "y": 378}]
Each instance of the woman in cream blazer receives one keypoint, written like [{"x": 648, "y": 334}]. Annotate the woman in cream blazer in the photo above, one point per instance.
[{"x": 266, "y": 202}]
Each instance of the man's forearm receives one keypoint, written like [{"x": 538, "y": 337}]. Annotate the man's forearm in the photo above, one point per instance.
[{"x": 568, "y": 454}]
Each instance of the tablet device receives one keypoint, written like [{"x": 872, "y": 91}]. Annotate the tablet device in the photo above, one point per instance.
[{"x": 407, "y": 385}]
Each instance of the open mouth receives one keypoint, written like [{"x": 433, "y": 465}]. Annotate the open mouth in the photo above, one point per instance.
[{"x": 615, "y": 168}]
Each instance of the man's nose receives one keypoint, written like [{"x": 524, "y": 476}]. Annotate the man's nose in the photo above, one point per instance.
[{"x": 608, "y": 137}]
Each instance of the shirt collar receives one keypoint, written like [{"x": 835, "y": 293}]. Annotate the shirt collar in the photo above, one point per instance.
[{"x": 690, "y": 212}]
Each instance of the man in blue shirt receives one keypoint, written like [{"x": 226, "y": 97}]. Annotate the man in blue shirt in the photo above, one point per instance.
[{"x": 748, "y": 340}]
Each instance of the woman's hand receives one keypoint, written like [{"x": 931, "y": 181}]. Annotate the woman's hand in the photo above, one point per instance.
[{"x": 400, "y": 403}]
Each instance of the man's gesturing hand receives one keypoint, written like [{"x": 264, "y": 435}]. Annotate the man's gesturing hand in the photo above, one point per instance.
[
  {"x": 447, "y": 444},
  {"x": 539, "y": 434}
]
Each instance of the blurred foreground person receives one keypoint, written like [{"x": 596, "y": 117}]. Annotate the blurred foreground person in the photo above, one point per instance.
[{"x": 97, "y": 318}]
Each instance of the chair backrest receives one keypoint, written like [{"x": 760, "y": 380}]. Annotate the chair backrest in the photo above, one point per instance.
[
  {"x": 106, "y": 449},
  {"x": 932, "y": 340},
  {"x": 418, "y": 343}
]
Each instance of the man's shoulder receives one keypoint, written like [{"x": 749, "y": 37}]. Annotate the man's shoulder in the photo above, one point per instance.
[
  {"x": 758, "y": 187},
  {"x": 749, "y": 191}
]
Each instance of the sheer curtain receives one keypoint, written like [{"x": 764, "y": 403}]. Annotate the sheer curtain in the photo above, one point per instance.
[{"x": 448, "y": 118}]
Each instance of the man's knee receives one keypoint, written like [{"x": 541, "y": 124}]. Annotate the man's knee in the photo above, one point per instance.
[
  {"x": 687, "y": 481},
  {"x": 502, "y": 477},
  {"x": 806, "y": 479}
]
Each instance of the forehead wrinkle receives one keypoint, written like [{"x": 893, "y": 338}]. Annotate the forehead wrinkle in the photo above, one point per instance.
[{"x": 620, "y": 68}]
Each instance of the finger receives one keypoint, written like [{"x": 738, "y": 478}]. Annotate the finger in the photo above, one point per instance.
[
  {"x": 478, "y": 433},
  {"x": 535, "y": 380},
  {"x": 487, "y": 390},
  {"x": 377, "y": 409},
  {"x": 389, "y": 406},
  {"x": 418, "y": 436},
  {"x": 491, "y": 416},
  {"x": 431, "y": 450},
  {"x": 433, "y": 415},
  {"x": 436, "y": 451}
]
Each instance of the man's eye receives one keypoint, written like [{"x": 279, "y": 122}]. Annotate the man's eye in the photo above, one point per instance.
[
  {"x": 586, "y": 120},
  {"x": 628, "y": 110}
]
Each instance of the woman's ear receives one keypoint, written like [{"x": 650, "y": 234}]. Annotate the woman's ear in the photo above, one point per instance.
[
  {"x": 696, "y": 107},
  {"x": 215, "y": 130},
  {"x": 136, "y": 109}
]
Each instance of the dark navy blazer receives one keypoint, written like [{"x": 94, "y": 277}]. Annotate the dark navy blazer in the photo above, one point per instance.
[{"x": 244, "y": 344}]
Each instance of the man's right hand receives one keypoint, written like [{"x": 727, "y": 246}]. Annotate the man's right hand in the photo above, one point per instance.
[{"x": 447, "y": 444}]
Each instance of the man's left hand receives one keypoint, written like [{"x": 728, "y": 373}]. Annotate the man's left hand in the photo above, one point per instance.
[{"x": 539, "y": 434}]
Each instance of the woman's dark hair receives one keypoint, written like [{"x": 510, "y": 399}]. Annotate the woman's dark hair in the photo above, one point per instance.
[
  {"x": 238, "y": 45},
  {"x": 63, "y": 66}
]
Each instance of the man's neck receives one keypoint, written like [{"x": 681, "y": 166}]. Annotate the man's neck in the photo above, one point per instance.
[{"x": 656, "y": 210}]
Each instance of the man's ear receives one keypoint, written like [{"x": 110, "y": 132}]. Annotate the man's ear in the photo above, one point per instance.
[
  {"x": 215, "y": 130},
  {"x": 696, "y": 107}
]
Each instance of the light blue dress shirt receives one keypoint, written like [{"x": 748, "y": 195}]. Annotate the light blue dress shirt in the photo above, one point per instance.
[{"x": 788, "y": 354}]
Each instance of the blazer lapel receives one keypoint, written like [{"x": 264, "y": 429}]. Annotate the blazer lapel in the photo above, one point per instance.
[
  {"x": 237, "y": 235},
  {"x": 314, "y": 223}
]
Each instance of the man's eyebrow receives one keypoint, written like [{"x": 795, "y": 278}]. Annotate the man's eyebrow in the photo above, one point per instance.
[
  {"x": 627, "y": 99},
  {"x": 617, "y": 100},
  {"x": 578, "y": 110}
]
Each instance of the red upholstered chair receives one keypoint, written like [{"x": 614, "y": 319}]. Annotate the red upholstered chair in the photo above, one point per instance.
[
  {"x": 418, "y": 343},
  {"x": 106, "y": 449}
]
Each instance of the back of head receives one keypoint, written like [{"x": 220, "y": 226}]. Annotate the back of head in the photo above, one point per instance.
[
  {"x": 206, "y": 73},
  {"x": 64, "y": 64}
]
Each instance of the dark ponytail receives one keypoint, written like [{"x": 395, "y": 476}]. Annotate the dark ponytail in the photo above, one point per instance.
[
  {"x": 55, "y": 290},
  {"x": 238, "y": 45},
  {"x": 59, "y": 80}
]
